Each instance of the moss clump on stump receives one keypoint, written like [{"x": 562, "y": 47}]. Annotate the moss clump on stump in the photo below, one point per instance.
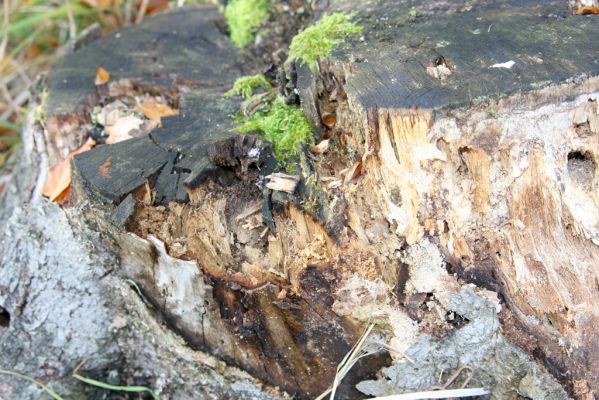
[
  {"x": 286, "y": 126},
  {"x": 246, "y": 85},
  {"x": 244, "y": 18},
  {"x": 319, "y": 39}
]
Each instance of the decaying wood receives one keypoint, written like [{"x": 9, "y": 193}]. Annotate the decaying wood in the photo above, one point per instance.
[
  {"x": 492, "y": 159},
  {"x": 64, "y": 307},
  {"x": 452, "y": 201}
]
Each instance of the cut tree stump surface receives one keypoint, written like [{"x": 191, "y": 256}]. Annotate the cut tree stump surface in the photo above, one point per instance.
[
  {"x": 547, "y": 44},
  {"x": 447, "y": 166},
  {"x": 182, "y": 54}
]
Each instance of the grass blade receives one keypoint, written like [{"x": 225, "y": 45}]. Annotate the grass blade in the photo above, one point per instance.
[
  {"x": 51, "y": 392},
  {"x": 131, "y": 389}
]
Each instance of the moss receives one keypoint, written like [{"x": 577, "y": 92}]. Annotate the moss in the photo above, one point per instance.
[
  {"x": 39, "y": 113},
  {"x": 246, "y": 85},
  {"x": 244, "y": 18},
  {"x": 319, "y": 39},
  {"x": 286, "y": 126}
]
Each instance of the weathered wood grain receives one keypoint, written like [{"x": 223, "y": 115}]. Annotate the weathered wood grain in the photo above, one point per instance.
[{"x": 484, "y": 160}]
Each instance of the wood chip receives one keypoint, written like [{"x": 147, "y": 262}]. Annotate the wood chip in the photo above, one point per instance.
[
  {"x": 320, "y": 148},
  {"x": 329, "y": 120},
  {"x": 102, "y": 76},
  {"x": 251, "y": 210},
  {"x": 264, "y": 232},
  {"x": 335, "y": 184},
  {"x": 439, "y": 71},
  {"x": 282, "y": 182},
  {"x": 586, "y": 10},
  {"x": 353, "y": 173}
]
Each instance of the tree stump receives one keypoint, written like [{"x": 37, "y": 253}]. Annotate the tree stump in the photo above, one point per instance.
[{"x": 454, "y": 208}]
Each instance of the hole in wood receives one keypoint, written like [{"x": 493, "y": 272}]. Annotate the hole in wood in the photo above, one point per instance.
[
  {"x": 581, "y": 167},
  {"x": 4, "y": 318}
]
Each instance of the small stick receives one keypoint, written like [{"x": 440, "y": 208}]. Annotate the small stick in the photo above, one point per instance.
[
  {"x": 142, "y": 11},
  {"x": 251, "y": 211},
  {"x": 437, "y": 394}
]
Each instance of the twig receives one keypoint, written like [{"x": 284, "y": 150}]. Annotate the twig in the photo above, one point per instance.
[
  {"x": 142, "y": 11},
  {"x": 5, "y": 25},
  {"x": 453, "y": 377},
  {"x": 437, "y": 394},
  {"x": 250, "y": 211},
  {"x": 356, "y": 353},
  {"x": 13, "y": 108},
  {"x": 51, "y": 392},
  {"x": 72, "y": 25}
]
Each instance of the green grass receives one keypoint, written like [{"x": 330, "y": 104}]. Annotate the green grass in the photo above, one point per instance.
[
  {"x": 89, "y": 381},
  {"x": 319, "y": 39},
  {"x": 246, "y": 85},
  {"x": 244, "y": 17},
  {"x": 130, "y": 389},
  {"x": 286, "y": 126}
]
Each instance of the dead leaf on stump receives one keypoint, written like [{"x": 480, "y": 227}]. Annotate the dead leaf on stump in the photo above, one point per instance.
[
  {"x": 102, "y": 76},
  {"x": 154, "y": 110},
  {"x": 58, "y": 180},
  {"x": 123, "y": 128}
]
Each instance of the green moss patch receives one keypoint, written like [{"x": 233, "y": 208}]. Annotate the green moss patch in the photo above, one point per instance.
[
  {"x": 244, "y": 18},
  {"x": 319, "y": 39},
  {"x": 286, "y": 126},
  {"x": 246, "y": 85}
]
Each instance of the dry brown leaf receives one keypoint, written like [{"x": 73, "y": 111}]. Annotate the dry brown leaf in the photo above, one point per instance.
[
  {"x": 123, "y": 128},
  {"x": 98, "y": 3},
  {"x": 154, "y": 110},
  {"x": 587, "y": 10},
  {"x": 59, "y": 177},
  {"x": 102, "y": 76},
  {"x": 155, "y": 6}
]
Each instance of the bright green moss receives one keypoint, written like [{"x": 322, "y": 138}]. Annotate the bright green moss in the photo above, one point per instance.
[
  {"x": 244, "y": 18},
  {"x": 319, "y": 39},
  {"x": 286, "y": 126},
  {"x": 246, "y": 85}
]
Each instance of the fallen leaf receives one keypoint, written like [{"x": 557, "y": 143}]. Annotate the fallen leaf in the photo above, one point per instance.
[
  {"x": 154, "y": 110},
  {"x": 123, "y": 128},
  {"x": 58, "y": 179},
  {"x": 155, "y": 6},
  {"x": 586, "y": 10},
  {"x": 102, "y": 76}
]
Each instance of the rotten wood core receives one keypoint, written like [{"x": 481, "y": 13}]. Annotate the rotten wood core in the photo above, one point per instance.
[{"x": 435, "y": 149}]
